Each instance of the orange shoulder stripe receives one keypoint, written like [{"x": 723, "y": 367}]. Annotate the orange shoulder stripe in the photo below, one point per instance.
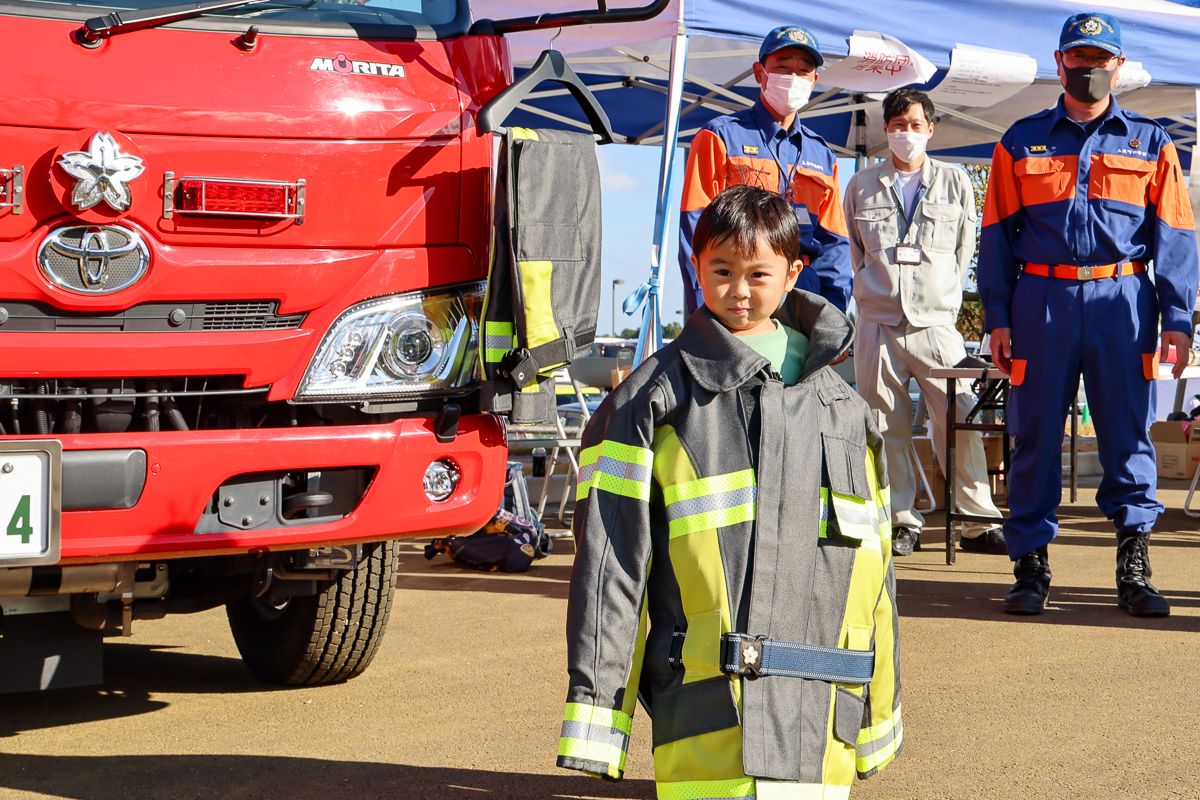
[
  {"x": 1002, "y": 200},
  {"x": 705, "y": 175}
]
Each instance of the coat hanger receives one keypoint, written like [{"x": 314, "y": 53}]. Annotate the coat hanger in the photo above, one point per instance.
[{"x": 550, "y": 66}]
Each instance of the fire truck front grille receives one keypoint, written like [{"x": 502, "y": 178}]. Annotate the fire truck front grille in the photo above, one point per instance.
[
  {"x": 117, "y": 405},
  {"x": 246, "y": 315}
]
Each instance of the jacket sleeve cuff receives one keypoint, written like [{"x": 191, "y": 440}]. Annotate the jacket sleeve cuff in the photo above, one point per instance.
[
  {"x": 1174, "y": 320},
  {"x": 594, "y": 740},
  {"x": 996, "y": 316},
  {"x": 879, "y": 744}
]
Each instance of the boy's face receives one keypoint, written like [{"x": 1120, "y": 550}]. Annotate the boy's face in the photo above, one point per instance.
[{"x": 743, "y": 292}]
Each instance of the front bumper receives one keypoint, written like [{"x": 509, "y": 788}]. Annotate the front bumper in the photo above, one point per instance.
[{"x": 185, "y": 469}]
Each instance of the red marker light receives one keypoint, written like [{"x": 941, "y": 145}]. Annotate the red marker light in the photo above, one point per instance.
[{"x": 236, "y": 197}]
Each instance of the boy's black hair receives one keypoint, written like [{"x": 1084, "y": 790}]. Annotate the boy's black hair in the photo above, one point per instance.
[
  {"x": 899, "y": 101},
  {"x": 742, "y": 214}
]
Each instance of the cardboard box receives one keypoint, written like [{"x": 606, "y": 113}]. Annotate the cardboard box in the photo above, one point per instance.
[
  {"x": 619, "y": 374},
  {"x": 1177, "y": 446}
]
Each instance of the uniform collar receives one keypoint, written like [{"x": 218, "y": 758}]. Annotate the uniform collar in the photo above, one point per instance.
[
  {"x": 889, "y": 171},
  {"x": 1115, "y": 115},
  {"x": 767, "y": 124},
  {"x": 719, "y": 362}
]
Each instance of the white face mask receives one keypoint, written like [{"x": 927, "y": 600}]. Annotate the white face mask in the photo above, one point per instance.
[
  {"x": 908, "y": 145},
  {"x": 786, "y": 93}
]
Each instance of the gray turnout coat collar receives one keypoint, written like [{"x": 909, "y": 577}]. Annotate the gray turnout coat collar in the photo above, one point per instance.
[{"x": 721, "y": 363}]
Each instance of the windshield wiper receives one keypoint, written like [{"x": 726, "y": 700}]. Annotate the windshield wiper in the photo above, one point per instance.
[{"x": 96, "y": 29}]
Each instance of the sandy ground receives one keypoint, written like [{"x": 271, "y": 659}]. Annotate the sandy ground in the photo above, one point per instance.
[{"x": 464, "y": 699}]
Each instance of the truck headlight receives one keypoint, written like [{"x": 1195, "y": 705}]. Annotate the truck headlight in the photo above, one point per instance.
[{"x": 417, "y": 343}]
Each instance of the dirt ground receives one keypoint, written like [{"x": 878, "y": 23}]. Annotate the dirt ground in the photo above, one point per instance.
[{"x": 464, "y": 699}]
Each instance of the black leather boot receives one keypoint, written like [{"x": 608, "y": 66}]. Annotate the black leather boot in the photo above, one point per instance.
[
  {"x": 1028, "y": 595},
  {"x": 1135, "y": 593}
]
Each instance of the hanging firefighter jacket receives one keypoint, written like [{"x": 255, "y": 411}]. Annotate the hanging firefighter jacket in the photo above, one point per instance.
[
  {"x": 544, "y": 284},
  {"x": 734, "y": 573}
]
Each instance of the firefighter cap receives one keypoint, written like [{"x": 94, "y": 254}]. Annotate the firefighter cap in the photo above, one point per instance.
[
  {"x": 1091, "y": 30},
  {"x": 791, "y": 36}
]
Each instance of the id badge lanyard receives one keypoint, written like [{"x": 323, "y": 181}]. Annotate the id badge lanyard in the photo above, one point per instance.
[{"x": 907, "y": 254}]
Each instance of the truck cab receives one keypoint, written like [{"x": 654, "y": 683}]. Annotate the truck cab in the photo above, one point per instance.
[{"x": 243, "y": 248}]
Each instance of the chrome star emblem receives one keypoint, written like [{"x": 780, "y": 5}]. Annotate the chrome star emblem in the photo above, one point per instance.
[{"x": 102, "y": 173}]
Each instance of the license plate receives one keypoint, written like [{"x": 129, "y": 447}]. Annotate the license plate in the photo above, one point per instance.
[{"x": 30, "y": 501}]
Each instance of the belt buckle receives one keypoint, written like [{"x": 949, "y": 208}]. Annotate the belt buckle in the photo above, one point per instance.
[
  {"x": 1085, "y": 273},
  {"x": 750, "y": 655}
]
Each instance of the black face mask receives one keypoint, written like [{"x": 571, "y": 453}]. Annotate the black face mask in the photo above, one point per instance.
[{"x": 1088, "y": 84}]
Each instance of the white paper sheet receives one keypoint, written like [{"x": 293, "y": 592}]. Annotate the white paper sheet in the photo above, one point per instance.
[
  {"x": 980, "y": 76},
  {"x": 1133, "y": 76},
  {"x": 878, "y": 63}
]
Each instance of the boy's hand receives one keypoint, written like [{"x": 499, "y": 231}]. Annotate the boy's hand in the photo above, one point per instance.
[{"x": 1001, "y": 344}]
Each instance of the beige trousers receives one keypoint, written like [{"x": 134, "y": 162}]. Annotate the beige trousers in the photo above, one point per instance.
[{"x": 886, "y": 357}]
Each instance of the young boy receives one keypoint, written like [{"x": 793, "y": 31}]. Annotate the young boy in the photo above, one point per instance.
[{"x": 734, "y": 566}]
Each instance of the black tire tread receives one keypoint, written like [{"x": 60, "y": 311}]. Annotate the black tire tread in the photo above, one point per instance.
[{"x": 329, "y": 638}]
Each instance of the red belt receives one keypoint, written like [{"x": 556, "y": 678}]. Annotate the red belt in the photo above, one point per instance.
[{"x": 1073, "y": 273}]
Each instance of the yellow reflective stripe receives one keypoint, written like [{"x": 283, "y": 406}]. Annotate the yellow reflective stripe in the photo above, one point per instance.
[
  {"x": 823, "y": 527},
  {"x": 599, "y": 752},
  {"x": 710, "y": 520},
  {"x": 750, "y": 789},
  {"x": 716, "y": 790},
  {"x": 622, "y": 469},
  {"x": 525, "y": 133},
  {"x": 618, "y": 451},
  {"x": 878, "y": 731},
  {"x": 498, "y": 340},
  {"x": 880, "y": 757},
  {"x": 710, "y": 485},
  {"x": 599, "y": 716}
]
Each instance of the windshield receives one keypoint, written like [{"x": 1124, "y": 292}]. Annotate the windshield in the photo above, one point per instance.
[{"x": 400, "y": 14}]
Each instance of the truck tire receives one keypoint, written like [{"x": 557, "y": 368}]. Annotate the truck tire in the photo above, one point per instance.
[{"x": 325, "y": 638}]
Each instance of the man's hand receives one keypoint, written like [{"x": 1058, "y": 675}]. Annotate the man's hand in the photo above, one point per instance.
[
  {"x": 1001, "y": 343},
  {"x": 1182, "y": 344}
]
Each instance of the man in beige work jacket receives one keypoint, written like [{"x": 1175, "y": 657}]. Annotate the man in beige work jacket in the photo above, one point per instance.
[{"x": 912, "y": 234}]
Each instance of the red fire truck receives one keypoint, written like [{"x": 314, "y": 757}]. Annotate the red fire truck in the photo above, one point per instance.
[{"x": 242, "y": 254}]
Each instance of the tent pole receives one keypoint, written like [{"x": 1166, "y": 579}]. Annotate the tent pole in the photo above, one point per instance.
[{"x": 650, "y": 334}]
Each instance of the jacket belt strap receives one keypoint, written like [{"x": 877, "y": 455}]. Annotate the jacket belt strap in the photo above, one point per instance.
[
  {"x": 1071, "y": 272},
  {"x": 525, "y": 365},
  {"x": 756, "y": 656}
]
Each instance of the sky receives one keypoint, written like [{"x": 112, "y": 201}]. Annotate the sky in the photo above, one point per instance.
[{"x": 629, "y": 187}]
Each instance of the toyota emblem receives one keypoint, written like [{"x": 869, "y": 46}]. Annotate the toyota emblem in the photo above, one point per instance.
[{"x": 93, "y": 259}]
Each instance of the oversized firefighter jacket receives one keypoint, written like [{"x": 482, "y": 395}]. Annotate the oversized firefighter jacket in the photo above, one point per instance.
[{"x": 714, "y": 500}]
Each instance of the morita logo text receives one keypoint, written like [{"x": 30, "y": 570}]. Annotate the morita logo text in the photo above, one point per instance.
[{"x": 345, "y": 66}]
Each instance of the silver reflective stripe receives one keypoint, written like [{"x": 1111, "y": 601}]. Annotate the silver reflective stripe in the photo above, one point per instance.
[
  {"x": 870, "y": 748},
  {"x": 711, "y": 502},
  {"x": 600, "y": 734},
  {"x": 616, "y": 468}
]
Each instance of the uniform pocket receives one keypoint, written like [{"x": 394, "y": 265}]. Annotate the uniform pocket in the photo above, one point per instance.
[
  {"x": 848, "y": 711},
  {"x": 939, "y": 230},
  {"x": 1044, "y": 180},
  {"x": 853, "y": 512},
  {"x": 878, "y": 226},
  {"x": 1120, "y": 178}
]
